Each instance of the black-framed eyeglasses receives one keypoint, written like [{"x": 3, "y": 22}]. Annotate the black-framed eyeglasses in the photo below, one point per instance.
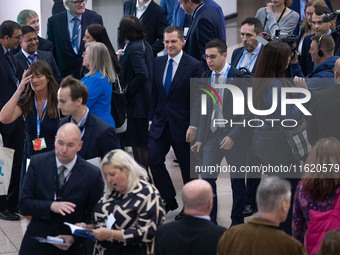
[
  {"x": 78, "y": 3},
  {"x": 212, "y": 56}
]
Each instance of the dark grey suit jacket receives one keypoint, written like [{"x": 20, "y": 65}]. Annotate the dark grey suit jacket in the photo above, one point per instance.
[
  {"x": 83, "y": 188},
  {"x": 154, "y": 20},
  {"x": 42, "y": 55},
  {"x": 99, "y": 137},
  {"x": 57, "y": 32},
  {"x": 188, "y": 236}
]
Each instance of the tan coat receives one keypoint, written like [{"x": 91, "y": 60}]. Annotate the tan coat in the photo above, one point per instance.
[{"x": 258, "y": 236}]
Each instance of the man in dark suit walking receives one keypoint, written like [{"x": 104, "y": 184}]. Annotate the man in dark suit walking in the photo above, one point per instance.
[
  {"x": 247, "y": 55},
  {"x": 12, "y": 134},
  {"x": 59, "y": 187},
  {"x": 98, "y": 137},
  {"x": 153, "y": 17},
  {"x": 29, "y": 52},
  {"x": 30, "y": 18},
  {"x": 194, "y": 233},
  {"x": 170, "y": 113},
  {"x": 205, "y": 26},
  {"x": 66, "y": 31},
  {"x": 231, "y": 141}
]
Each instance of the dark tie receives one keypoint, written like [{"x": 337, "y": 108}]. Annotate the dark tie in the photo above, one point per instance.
[
  {"x": 168, "y": 76},
  {"x": 61, "y": 176},
  {"x": 75, "y": 34},
  {"x": 10, "y": 60}
]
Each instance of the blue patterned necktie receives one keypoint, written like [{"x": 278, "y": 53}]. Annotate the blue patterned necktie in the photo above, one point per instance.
[
  {"x": 168, "y": 77},
  {"x": 75, "y": 40},
  {"x": 32, "y": 58}
]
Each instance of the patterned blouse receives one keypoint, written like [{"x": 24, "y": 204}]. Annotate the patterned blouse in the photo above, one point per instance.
[
  {"x": 303, "y": 202},
  {"x": 138, "y": 213}
]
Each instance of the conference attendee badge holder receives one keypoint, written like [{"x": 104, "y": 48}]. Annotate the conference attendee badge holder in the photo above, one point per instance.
[
  {"x": 110, "y": 221},
  {"x": 39, "y": 143}
]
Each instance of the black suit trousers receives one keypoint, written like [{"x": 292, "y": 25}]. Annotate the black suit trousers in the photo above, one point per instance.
[{"x": 158, "y": 149}]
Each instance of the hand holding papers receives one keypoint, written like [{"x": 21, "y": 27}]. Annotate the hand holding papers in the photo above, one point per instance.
[{"x": 83, "y": 232}]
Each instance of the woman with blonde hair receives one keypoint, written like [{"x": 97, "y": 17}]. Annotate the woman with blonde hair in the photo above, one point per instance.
[
  {"x": 132, "y": 201},
  {"x": 99, "y": 80}
]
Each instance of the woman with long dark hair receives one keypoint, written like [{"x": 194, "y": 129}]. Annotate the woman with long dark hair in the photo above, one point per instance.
[
  {"x": 98, "y": 33},
  {"x": 38, "y": 105},
  {"x": 137, "y": 64},
  {"x": 270, "y": 146}
]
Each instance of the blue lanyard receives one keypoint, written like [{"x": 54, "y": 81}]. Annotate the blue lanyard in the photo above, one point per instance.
[
  {"x": 250, "y": 61},
  {"x": 38, "y": 118},
  {"x": 224, "y": 76}
]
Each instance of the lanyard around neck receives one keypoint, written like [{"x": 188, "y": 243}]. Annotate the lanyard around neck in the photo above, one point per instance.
[{"x": 38, "y": 117}]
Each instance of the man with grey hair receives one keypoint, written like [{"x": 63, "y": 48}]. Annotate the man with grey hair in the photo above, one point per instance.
[
  {"x": 262, "y": 235},
  {"x": 30, "y": 18},
  {"x": 66, "y": 30},
  {"x": 194, "y": 233}
]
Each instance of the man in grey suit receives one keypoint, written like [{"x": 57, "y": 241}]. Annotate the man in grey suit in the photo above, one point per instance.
[
  {"x": 29, "y": 52},
  {"x": 66, "y": 31}
]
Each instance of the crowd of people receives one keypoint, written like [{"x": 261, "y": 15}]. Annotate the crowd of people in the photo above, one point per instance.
[{"x": 70, "y": 165}]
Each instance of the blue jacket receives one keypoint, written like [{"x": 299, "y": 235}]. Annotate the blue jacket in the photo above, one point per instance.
[
  {"x": 324, "y": 70},
  {"x": 100, "y": 92}
]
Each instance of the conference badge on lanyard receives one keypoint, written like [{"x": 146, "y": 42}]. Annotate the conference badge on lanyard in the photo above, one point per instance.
[{"x": 39, "y": 143}]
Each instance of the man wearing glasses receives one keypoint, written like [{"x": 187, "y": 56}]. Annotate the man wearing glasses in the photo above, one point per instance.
[
  {"x": 66, "y": 30},
  {"x": 226, "y": 140},
  {"x": 12, "y": 134}
]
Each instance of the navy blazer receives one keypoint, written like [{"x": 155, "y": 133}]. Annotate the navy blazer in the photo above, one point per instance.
[
  {"x": 154, "y": 20},
  {"x": 237, "y": 54},
  {"x": 136, "y": 76},
  {"x": 190, "y": 235},
  {"x": 42, "y": 55},
  {"x": 8, "y": 88},
  {"x": 236, "y": 132},
  {"x": 99, "y": 137},
  {"x": 205, "y": 26},
  {"x": 84, "y": 188},
  {"x": 173, "y": 108},
  {"x": 57, "y": 32},
  {"x": 45, "y": 45}
]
